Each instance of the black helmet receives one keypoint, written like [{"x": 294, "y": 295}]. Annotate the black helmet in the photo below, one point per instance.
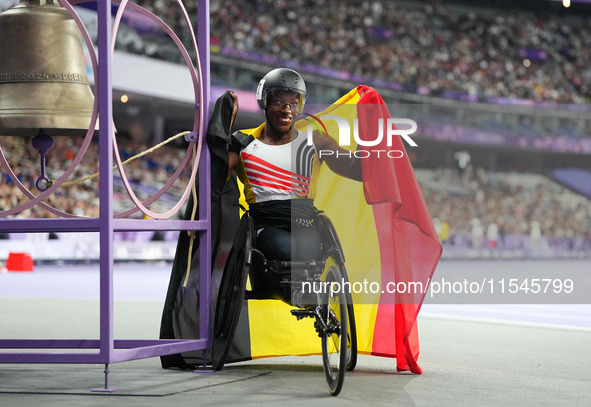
[{"x": 283, "y": 79}]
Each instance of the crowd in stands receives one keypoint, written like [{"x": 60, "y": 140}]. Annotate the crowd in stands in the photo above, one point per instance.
[
  {"x": 490, "y": 210},
  {"x": 425, "y": 47},
  {"x": 82, "y": 198},
  {"x": 428, "y": 48}
]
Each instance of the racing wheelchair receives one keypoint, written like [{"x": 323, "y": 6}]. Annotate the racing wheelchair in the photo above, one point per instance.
[{"x": 333, "y": 314}]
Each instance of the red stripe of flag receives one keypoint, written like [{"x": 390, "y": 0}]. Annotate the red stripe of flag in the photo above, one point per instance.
[{"x": 409, "y": 246}]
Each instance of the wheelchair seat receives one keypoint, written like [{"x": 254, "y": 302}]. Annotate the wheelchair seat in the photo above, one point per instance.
[{"x": 280, "y": 279}]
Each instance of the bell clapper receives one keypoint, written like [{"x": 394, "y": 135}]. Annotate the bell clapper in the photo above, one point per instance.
[{"x": 43, "y": 142}]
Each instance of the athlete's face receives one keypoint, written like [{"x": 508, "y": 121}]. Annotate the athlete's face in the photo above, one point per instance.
[{"x": 283, "y": 110}]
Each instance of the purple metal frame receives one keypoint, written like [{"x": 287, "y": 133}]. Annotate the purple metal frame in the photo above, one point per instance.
[{"x": 110, "y": 349}]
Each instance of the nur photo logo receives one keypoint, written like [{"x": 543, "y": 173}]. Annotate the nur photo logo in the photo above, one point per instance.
[{"x": 386, "y": 131}]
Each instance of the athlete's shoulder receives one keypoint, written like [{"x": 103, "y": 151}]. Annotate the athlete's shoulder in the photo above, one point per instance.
[{"x": 242, "y": 138}]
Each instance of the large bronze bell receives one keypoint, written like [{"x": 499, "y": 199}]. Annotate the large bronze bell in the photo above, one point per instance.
[{"x": 43, "y": 81}]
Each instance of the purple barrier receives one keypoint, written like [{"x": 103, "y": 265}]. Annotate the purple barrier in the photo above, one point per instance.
[
  {"x": 533, "y": 54},
  {"x": 448, "y": 132},
  {"x": 575, "y": 179},
  {"x": 517, "y": 246}
]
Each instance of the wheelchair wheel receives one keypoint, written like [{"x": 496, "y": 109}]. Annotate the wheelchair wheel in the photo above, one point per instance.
[
  {"x": 336, "y": 257},
  {"x": 334, "y": 338},
  {"x": 351, "y": 327},
  {"x": 231, "y": 293}
]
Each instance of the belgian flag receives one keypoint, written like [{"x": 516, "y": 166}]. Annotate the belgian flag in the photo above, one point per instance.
[{"x": 384, "y": 228}]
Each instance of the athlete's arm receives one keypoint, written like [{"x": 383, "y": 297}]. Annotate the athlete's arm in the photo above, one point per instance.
[
  {"x": 338, "y": 159},
  {"x": 232, "y": 162}
]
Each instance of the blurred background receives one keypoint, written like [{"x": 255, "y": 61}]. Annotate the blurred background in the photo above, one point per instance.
[{"x": 499, "y": 89}]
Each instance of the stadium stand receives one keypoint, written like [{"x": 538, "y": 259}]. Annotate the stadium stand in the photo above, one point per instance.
[
  {"x": 530, "y": 213},
  {"x": 428, "y": 48}
]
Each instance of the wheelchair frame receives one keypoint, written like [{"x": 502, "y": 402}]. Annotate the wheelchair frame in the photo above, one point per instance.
[{"x": 327, "y": 310}]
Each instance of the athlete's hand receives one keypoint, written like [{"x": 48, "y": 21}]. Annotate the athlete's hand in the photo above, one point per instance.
[{"x": 338, "y": 159}]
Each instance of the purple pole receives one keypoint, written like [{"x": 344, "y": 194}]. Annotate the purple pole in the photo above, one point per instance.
[
  {"x": 204, "y": 178},
  {"x": 105, "y": 96}
]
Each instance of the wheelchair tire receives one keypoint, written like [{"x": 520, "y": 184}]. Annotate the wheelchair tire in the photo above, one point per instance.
[
  {"x": 337, "y": 257},
  {"x": 351, "y": 328},
  {"x": 231, "y": 293},
  {"x": 334, "y": 338}
]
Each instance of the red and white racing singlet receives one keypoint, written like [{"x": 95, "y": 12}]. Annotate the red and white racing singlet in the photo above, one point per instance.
[{"x": 278, "y": 171}]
